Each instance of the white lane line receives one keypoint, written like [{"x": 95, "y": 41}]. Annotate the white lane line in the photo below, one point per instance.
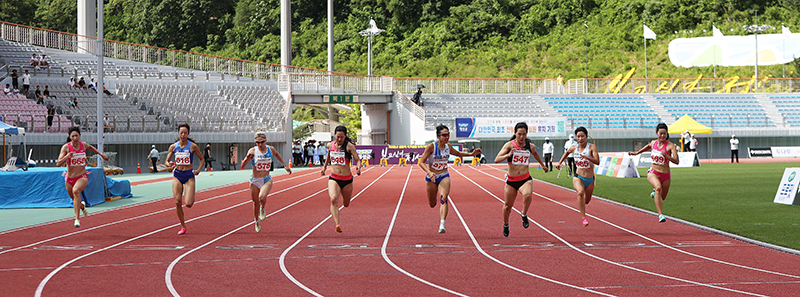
[
  {"x": 168, "y": 274},
  {"x": 286, "y": 251},
  {"x": 128, "y": 219},
  {"x": 663, "y": 244},
  {"x": 40, "y": 288},
  {"x": 609, "y": 261},
  {"x": 389, "y": 234},
  {"x": 478, "y": 246}
]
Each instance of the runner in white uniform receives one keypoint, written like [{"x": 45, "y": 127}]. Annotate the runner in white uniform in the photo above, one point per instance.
[
  {"x": 659, "y": 176},
  {"x": 586, "y": 156},
  {"x": 434, "y": 162},
  {"x": 260, "y": 182},
  {"x": 517, "y": 152}
]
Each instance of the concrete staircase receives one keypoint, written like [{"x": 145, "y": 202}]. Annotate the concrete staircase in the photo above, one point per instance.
[
  {"x": 659, "y": 109},
  {"x": 771, "y": 109}
]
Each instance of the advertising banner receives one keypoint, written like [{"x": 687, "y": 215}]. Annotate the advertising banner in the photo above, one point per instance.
[
  {"x": 759, "y": 152},
  {"x": 504, "y": 127},
  {"x": 687, "y": 159},
  {"x": 617, "y": 167},
  {"x": 787, "y": 190},
  {"x": 785, "y": 151},
  {"x": 393, "y": 153}
]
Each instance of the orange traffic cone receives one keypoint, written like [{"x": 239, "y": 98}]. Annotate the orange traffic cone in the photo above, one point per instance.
[
  {"x": 290, "y": 164},
  {"x": 138, "y": 168}
]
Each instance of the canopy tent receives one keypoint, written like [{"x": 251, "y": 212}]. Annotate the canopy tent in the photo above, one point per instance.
[{"x": 688, "y": 123}]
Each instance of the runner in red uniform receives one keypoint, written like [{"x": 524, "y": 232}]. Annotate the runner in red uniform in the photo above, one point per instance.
[{"x": 73, "y": 154}]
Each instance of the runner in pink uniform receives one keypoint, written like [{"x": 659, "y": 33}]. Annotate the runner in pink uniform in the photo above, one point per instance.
[
  {"x": 517, "y": 152},
  {"x": 73, "y": 154},
  {"x": 662, "y": 152},
  {"x": 183, "y": 182},
  {"x": 586, "y": 156},
  {"x": 260, "y": 181},
  {"x": 341, "y": 154}
]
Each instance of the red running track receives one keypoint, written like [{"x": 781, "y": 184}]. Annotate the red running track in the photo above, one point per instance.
[{"x": 390, "y": 246}]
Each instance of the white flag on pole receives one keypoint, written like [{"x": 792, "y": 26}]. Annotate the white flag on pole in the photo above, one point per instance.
[
  {"x": 649, "y": 34},
  {"x": 785, "y": 30},
  {"x": 716, "y": 32}
]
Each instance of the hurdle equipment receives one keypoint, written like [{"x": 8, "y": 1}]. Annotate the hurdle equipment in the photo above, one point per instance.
[
  {"x": 457, "y": 161},
  {"x": 402, "y": 162},
  {"x": 384, "y": 162},
  {"x": 364, "y": 162}
]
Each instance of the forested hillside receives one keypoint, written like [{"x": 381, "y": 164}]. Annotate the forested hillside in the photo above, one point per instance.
[{"x": 425, "y": 38}]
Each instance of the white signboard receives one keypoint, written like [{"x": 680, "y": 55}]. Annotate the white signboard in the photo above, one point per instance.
[
  {"x": 621, "y": 167},
  {"x": 687, "y": 159},
  {"x": 787, "y": 190},
  {"x": 504, "y": 127},
  {"x": 785, "y": 151}
]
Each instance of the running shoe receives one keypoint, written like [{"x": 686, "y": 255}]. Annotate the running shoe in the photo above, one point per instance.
[
  {"x": 585, "y": 222},
  {"x": 505, "y": 230},
  {"x": 662, "y": 218},
  {"x": 653, "y": 194},
  {"x": 525, "y": 223},
  {"x": 258, "y": 226},
  {"x": 83, "y": 209},
  {"x": 262, "y": 215},
  {"x": 338, "y": 228},
  {"x": 182, "y": 231},
  {"x": 77, "y": 223}
]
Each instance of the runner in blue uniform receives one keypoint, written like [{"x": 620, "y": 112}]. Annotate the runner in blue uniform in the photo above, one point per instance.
[
  {"x": 184, "y": 150},
  {"x": 260, "y": 182},
  {"x": 434, "y": 162}
]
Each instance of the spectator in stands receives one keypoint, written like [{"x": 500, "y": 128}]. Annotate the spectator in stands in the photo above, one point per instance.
[
  {"x": 14, "y": 79},
  {"x": 547, "y": 149},
  {"x": 92, "y": 85},
  {"x": 71, "y": 82},
  {"x": 26, "y": 83},
  {"x": 560, "y": 83},
  {"x": 72, "y": 102},
  {"x": 153, "y": 156},
  {"x": 43, "y": 61},
  {"x": 46, "y": 92},
  {"x": 207, "y": 156},
  {"x": 38, "y": 94},
  {"x": 108, "y": 125},
  {"x": 417, "y": 98},
  {"x": 734, "y": 148},
  {"x": 51, "y": 111},
  {"x": 34, "y": 61},
  {"x": 105, "y": 91},
  {"x": 693, "y": 144},
  {"x": 81, "y": 83},
  {"x": 15, "y": 91},
  {"x": 297, "y": 153},
  {"x": 7, "y": 90}
]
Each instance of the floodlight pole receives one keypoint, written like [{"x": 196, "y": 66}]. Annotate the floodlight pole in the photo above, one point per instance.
[
  {"x": 757, "y": 29},
  {"x": 369, "y": 32},
  {"x": 99, "y": 83}
]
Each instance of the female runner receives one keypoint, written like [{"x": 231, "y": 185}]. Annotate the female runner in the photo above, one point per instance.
[
  {"x": 73, "y": 154},
  {"x": 184, "y": 150},
  {"x": 586, "y": 156},
  {"x": 518, "y": 152},
  {"x": 341, "y": 152},
  {"x": 260, "y": 181},
  {"x": 437, "y": 177},
  {"x": 658, "y": 175}
]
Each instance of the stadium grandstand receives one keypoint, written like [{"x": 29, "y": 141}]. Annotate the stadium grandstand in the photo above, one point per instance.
[{"x": 226, "y": 100}]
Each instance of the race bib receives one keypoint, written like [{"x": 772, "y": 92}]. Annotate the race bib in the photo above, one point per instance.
[
  {"x": 337, "y": 158},
  {"x": 263, "y": 163},
  {"x": 583, "y": 163},
  {"x": 521, "y": 157},
  {"x": 439, "y": 164},
  {"x": 658, "y": 158},
  {"x": 78, "y": 159},
  {"x": 183, "y": 158}
]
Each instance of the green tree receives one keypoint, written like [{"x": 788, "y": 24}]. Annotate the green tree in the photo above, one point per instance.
[{"x": 351, "y": 119}]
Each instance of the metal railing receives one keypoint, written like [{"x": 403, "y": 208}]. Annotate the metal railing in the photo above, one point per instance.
[{"x": 36, "y": 123}]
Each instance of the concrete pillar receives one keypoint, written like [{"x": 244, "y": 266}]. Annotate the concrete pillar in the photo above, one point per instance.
[{"x": 87, "y": 24}]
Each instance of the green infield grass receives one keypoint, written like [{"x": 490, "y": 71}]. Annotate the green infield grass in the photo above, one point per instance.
[{"x": 735, "y": 198}]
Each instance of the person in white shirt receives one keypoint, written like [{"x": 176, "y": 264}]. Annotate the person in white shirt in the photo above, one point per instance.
[
  {"x": 734, "y": 148},
  {"x": 153, "y": 156},
  {"x": 26, "y": 83},
  {"x": 686, "y": 138},
  {"x": 7, "y": 90},
  {"x": 71, "y": 82},
  {"x": 570, "y": 158},
  {"x": 547, "y": 150},
  {"x": 693, "y": 144}
]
